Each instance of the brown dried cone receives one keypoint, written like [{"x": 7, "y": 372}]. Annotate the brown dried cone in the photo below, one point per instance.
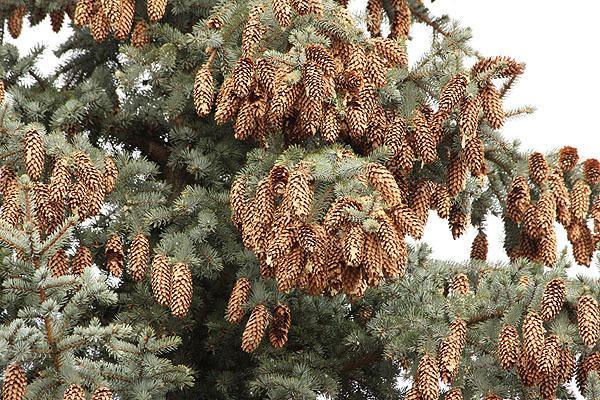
[
  {"x": 56, "y": 20},
  {"x": 373, "y": 261},
  {"x": 474, "y": 153},
  {"x": 10, "y": 212},
  {"x": 114, "y": 255},
  {"x": 140, "y": 36},
  {"x": 454, "y": 394},
  {"x": 102, "y": 393},
  {"x": 81, "y": 260},
  {"x": 453, "y": 93},
  {"x": 390, "y": 241},
  {"x": 492, "y": 106},
  {"x": 591, "y": 171},
  {"x": 282, "y": 12},
  {"x": 441, "y": 201},
  {"x": 139, "y": 253},
  {"x": 353, "y": 243},
  {"x": 567, "y": 365},
  {"x": 450, "y": 352},
  {"x": 425, "y": 140},
  {"x": 458, "y": 221},
  {"x": 552, "y": 299},
  {"x": 15, "y": 21},
  {"x": 479, "y": 248},
  {"x": 74, "y": 392},
  {"x": 160, "y": 280},
  {"x": 533, "y": 336},
  {"x": 288, "y": 269},
  {"x": 112, "y": 10},
  {"x": 580, "y": 200},
  {"x": 560, "y": 192},
  {"x": 457, "y": 174},
  {"x": 34, "y": 154},
  {"x": 280, "y": 326},
  {"x": 538, "y": 168},
  {"x": 427, "y": 378},
  {"x": 156, "y": 9},
  {"x": 508, "y": 347},
  {"x": 99, "y": 25},
  {"x": 15, "y": 383},
  {"x": 110, "y": 176},
  {"x": 83, "y": 12},
  {"x": 586, "y": 365},
  {"x": 588, "y": 320},
  {"x": 239, "y": 297},
  {"x": 299, "y": 192},
  {"x": 385, "y": 183},
  {"x": 460, "y": 285},
  {"x": 469, "y": 116},
  {"x": 568, "y": 158},
  {"x": 59, "y": 263},
  {"x": 527, "y": 370},
  {"x": 518, "y": 199},
  {"x": 122, "y": 26},
  {"x": 505, "y": 67},
  {"x": 374, "y": 17},
  {"x": 400, "y": 26},
  {"x": 203, "y": 91},
  {"x": 255, "y": 328},
  {"x": 413, "y": 393},
  {"x": 253, "y": 30},
  {"x": 181, "y": 290},
  {"x": 550, "y": 355},
  {"x": 59, "y": 181},
  {"x": 243, "y": 76}
]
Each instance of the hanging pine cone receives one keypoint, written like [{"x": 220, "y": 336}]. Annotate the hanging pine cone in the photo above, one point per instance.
[
  {"x": 110, "y": 176},
  {"x": 453, "y": 394},
  {"x": 140, "y": 36},
  {"x": 580, "y": 200},
  {"x": 588, "y": 320},
  {"x": 426, "y": 143},
  {"x": 83, "y": 12},
  {"x": 56, "y": 20},
  {"x": 288, "y": 269},
  {"x": 59, "y": 263},
  {"x": 203, "y": 91},
  {"x": 458, "y": 221},
  {"x": 99, "y": 25},
  {"x": 122, "y": 26},
  {"x": 469, "y": 116},
  {"x": 255, "y": 328},
  {"x": 492, "y": 106},
  {"x": 427, "y": 378},
  {"x": 400, "y": 26},
  {"x": 479, "y": 248},
  {"x": 538, "y": 168},
  {"x": 59, "y": 181},
  {"x": 139, "y": 253},
  {"x": 550, "y": 355},
  {"x": 591, "y": 171},
  {"x": 533, "y": 336},
  {"x": 453, "y": 92},
  {"x": 280, "y": 326},
  {"x": 299, "y": 192},
  {"x": 15, "y": 383},
  {"x": 552, "y": 299},
  {"x": 457, "y": 174},
  {"x": 34, "y": 154},
  {"x": 156, "y": 9},
  {"x": 568, "y": 158},
  {"x": 587, "y": 364},
  {"x": 74, "y": 392},
  {"x": 566, "y": 364},
  {"x": 239, "y": 297},
  {"x": 15, "y": 21},
  {"x": 508, "y": 347},
  {"x": 102, "y": 393},
  {"x": 160, "y": 280},
  {"x": 385, "y": 183},
  {"x": 518, "y": 199},
  {"x": 282, "y": 12},
  {"x": 114, "y": 255},
  {"x": 460, "y": 285},
  {"x": 181, "y": 290},
  {"x": 81, "y": 260},
  {"x": 2, "y": 91},
  {"x": 451, "y": 349}
]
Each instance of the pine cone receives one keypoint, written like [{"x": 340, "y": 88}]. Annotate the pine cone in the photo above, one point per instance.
[
  {"x": 453, "y": 93},
  {"x": 114, "y": 255},
  {"x": 56, "y": 20},
  {"x": 400, "y": 26},
  {"x": 156, "y": 9},
  {"x": 102, "y": 393},
  {"x": 508, "y": 347},
  {"x": 15, "y": 21},
  {"x": 474, "y": 154},
  {"x": 492, "y": 106},
  {"x": 83, "y": 12},
  {"x": 588, "y": 320},
  {"x": 458, "y": 221},
  {"x": 299, "y": 192},
  {"x": 550, "y": 355},
  {"x": 427, "y": 378},
  {"x": 140, "y": 36},
  {"x": 239, "y": 296},
  {"x": 457, "y": 174},
  {"x": 100, "y": 25},
  {"x": 566, "y": 365},
  {"x": 280, "y": 327},
  {"x": 469, "y": 116},
  {"x": 450, "y": 352},
  {"x": 373, "y": 261},
  {"x": 533, "y": 336},
  {"x": 374, "y": 17},
  {"x": 460, "y": 285},
  {"x": 383, "y": 181},
  {"x": 518, "y": 199},
  {"x": 160, "y": 280},
  {"x": 288, "y": 269},
  {"x": 580, "y": 200},
  {"x": 59, "y": 263},
  {"x": 282, "y": 12},
  {"x": 424, "y": 139},
  {"x": 479, "y": 248},
  {"x": 253, "y": 30},
  {"x": 203, "y": 91},
  {"x": 15, "y": 383},
  {"x": 139, "y": 253},
  {"x": 81, "y": 260},
  {"x": 591, "y": 171},
  {"x": 110, "y": 176},
  {"x": 505, "y": 67},
  {"x": 390, "y": 241},
  {"x": 454, "y": 394},
  {"x": 59, "y": 181},
  {"x": 122, "y": 26},
  {"x": 538, "y": 168},
  {"x": 587, "y": 364},
  {"x": 181, "y": 290},
  {"x": 74, "y": 392},
  {"x": 34, "y": 154},
  {"x": 2, "y": 91},
  {"x": 255, "y": 328},
  {"x": 552, "y": 299},
  {"x": 568, "y": 158}
]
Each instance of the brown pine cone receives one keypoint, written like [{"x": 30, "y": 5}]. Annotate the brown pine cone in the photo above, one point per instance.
[
  {"x": 110, "y": 176},
  {"x": 454, "y": 394},
  {"x": 160, "y": 280},
  {"x": 588, "y": 320},
  {"x": 156, "y": 9},
  {"x": 299, "y": 192},
  {"x": 255, "y": 328},
  {"x": 81, "y": 260},
  {"x": 139, "y": 254},
  {"x": 385, "y": 183},
  {"x": 83, "y": 13},
  {"x": 568, "y": 158},
  {"x": 453, "y": 92},
  {"x": 15, "y": 21},
  {"x": 469, "y": 116},
  {"x": 587, "y": 364},
  {"x": 591, "y": 171},
  {"x": 280, "y": 327},
  {"x": 122, "y": 26},
  {"x": 203, "y": 91},
  {"x": 102, "y": 393},
  {"x": 181, "y": 290},
  {"x": 100, "y": 25},
  {"x": 492, "y": 106},
  {"x": 114, "y": 255},
  {"x": 74, "y": 392},
  {"x": 538, "y": 168},
  {"x": 34, "y": 154},
  {"x": 533, "y": 336},
  {"x": 550, "y": 355},
  {"x": 427, "y": 378},
  {"x": 508, "y": 347},
  {"x": 140, "y": 36},
  {"x": 450, "y": 352},
  {"x": 552, "y": 299},
  {"x": 460, "y": 285},
  {"x": 580, "y": 200},
  {"x": 479, "y": 248},
  {"x": 458, "y": 221},
  {"x": 518, "y": 199},
  {"x": 15, "y": 383},
  {"x": 59, "y": 263}
]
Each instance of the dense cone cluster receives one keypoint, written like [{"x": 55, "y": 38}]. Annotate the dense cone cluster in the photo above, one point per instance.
[
  {"x": 117, "y": 16},
  {"x": 172, "y": 285},
  {"x": 563, "y": 195}
]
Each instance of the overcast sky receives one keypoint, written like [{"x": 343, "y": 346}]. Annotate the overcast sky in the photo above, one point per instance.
[{"x": 561, "y": 80}]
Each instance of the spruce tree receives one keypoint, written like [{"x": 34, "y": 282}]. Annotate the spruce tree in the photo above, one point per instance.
[{"x": 218, "y": 199}]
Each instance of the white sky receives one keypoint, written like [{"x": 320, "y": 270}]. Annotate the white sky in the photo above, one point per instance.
[{"x": 555, "y": 41}]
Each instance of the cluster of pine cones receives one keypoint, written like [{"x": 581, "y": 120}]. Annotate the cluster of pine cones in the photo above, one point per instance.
[
  {"x": 15, "y": 387},
  {"x": 172, "y": 285},
  {"x": 259, "y": 319},
  {"x": 562, "y": 197},
  {"x": 546, "y": 361}
]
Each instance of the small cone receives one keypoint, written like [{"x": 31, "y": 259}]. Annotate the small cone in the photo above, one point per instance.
[
  {"x": 552, "y": 299},
  {"x": 239, "y": 296},
  {"x": 139, "y": 253},
  {"x": 34, "y": 154},
  {"x": 588, "y": 320},
  {"x": 160, "y": 280},
  {"x": 280, "y": 326},
  {"x": 255, "y": 328},
  {"x": 181, "y": 290}
]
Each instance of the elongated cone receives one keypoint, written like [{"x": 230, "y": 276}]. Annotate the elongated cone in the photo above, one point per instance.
[
  {"x": 280, "y": 327},
  {"x": 74, "y": 392},
  {"x": 139, "y": 253},
  {"x": 15, "y": 383},
  {"x": 34, "y": 154},
  {"x": 181, "y": 290},
  {"x": 160, "y": 280},
  {"x": 102, "y": 393},
  {"x": 110, "y": 176},
  {"x": 203, "y": 91},
  {"x": 156, "y": 9},
  {"x": 81, "y": 260},
  {"x": 588, "y": 319},
  {"x": 427, "y": 378},
  {"x": 140, "y": 36},
  {"x": 508, "y": 347},
  {"x": 239, "y": 296},
  {"x": 255, "y": 328},
  {"x": 59, "y": 263},
  {"x": 553, "y": 299}
]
